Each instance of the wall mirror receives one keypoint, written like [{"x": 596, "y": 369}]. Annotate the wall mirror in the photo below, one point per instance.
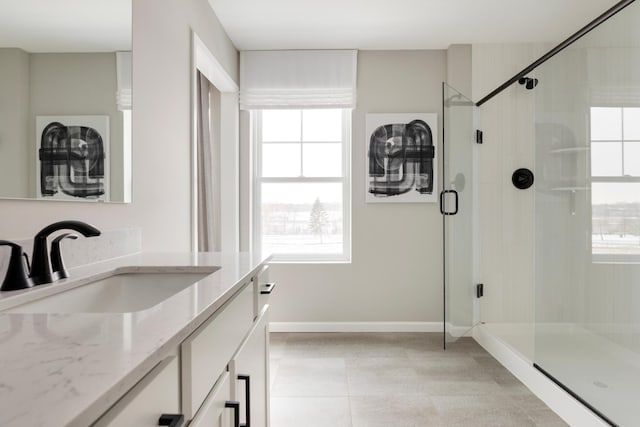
[{"x": 65, "y": 100}]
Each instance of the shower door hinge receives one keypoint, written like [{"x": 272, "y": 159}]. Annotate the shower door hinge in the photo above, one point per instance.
[
  {"x": 478, "y": 136},
  {"x": 479, "y": 290}
]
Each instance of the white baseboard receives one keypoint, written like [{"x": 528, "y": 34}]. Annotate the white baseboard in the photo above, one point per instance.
[
  {"x": 355, "y": 326},
  {"x": 562, "y": 403}
]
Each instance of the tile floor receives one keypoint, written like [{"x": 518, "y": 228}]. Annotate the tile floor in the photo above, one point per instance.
[{"x": 395, "y": 380}]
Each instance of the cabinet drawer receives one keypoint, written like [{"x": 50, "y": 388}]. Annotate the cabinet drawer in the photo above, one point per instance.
[
  {"x": 206, "y": 352},
  {"x": 263, "y": 288},
  {"x": 214, "y": 411},
  {"x": 156, "y": 394},
  {"x": 249, "y": 371}
]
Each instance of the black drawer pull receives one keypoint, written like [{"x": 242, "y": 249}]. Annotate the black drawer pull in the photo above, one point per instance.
[
  {"x": 267, "y": 288},
  {"x": 247, "y": 399},
  {"x": 171, "y": 420},
  {"x": 236, "y": 411}
]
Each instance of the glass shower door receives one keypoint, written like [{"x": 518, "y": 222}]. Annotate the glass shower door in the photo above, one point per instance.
[
  {"x": 587, "y": 213},
  {"x": 457, "y": 208}
]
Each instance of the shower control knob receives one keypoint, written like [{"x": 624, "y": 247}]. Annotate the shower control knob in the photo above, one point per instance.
[{"x": 522, "y": 178}]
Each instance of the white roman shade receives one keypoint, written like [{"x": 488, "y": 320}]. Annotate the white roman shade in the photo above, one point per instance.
[
  {"x": 298, "y": 79},
  {"x": 123, "y": 80}
]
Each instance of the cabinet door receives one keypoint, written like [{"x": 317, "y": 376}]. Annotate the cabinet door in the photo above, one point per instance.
[
  {"x": 156, "y": 394},
  {"x": 206, "y": 352},
  {"x": 249, "y": 370},
  {"x": 218, "y": 410}
]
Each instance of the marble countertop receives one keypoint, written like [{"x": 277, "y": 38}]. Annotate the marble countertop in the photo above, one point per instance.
[{"x": 67, "y": 369}]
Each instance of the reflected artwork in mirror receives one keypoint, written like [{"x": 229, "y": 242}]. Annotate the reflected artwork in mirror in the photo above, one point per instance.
[{"x": 74, "y": 69}]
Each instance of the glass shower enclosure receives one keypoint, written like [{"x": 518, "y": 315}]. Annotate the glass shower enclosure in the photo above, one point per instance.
[
  {"x": 584, "y": 328},
  {"x": 587, "y": 219},
  {"x": 457, "y": 201}
]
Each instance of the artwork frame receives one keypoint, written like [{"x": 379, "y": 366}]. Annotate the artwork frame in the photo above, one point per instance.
[
  {"x": 401, "y": 158},
  {"x": 72, "y": 158}
]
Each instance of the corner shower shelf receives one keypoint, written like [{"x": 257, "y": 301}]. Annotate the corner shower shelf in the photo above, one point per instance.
[
  {"x": 570, "y": 189},
  {"x": 569, "y": 150}
]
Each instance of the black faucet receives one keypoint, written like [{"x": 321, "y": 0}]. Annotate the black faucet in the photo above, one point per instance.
[
  {"x": 41, "y": 272},
  {"x": 57, "y": 263},
  {"x": 16, "y": 277}
]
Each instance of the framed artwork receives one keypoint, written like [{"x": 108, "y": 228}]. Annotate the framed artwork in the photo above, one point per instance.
[
  {"x": 72, "y": 156},
  {"x": 401, "y": 162}
]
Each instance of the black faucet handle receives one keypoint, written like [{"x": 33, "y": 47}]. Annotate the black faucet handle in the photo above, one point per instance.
[
  {"x": 57, "y": 263},
  {"x": 16, "y": 277}
]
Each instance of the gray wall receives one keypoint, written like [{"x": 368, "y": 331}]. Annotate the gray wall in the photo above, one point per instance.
[
  {"x": 70, "y": 84},
  {"x": 16, "y": 148},
  {"x": 77, "y": 84},
  {"x": 459, "y": 66},
  {"x": 396, "y": 268},
  {"x": 161, "y": 131}
]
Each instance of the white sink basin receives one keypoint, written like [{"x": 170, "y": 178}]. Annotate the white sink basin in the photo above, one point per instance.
[{"x": 120, "y": 293}]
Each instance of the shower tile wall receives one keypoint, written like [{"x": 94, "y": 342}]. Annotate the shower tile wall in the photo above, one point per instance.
[{"x": 506, "y": 214}]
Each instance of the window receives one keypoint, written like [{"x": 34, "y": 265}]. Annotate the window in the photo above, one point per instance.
[
  {"x": 301, "y": 184},
  {"x": 615, "y": 181}
]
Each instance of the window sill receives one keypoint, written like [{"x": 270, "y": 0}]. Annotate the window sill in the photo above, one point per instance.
[
  {"x": 285, "y": 262},
  {"x": 318, "y": 259},
  {"x": 615, "y": 259}
]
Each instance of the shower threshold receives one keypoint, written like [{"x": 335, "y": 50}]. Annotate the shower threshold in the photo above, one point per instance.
[{"x": 602, "y": 373}]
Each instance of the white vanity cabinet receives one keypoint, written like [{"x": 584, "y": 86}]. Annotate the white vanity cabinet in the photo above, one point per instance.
[
  {"x": 218, "y": 409},
  {"x": 206, "y": 352},
  {"x": 263, "y": 289},
  {"x": 241, "y": 395},
  {"x": 156, "y": 394},
  {"x": 249, "y": 370},
  {"x": 217, "y": 377}
]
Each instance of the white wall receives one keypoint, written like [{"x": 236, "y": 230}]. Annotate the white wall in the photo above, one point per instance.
[
  {"x": 570, "y": 287},
  {"x": 396, "y": 268},
  {"x": 161, "y": 131},
  {"x": 506, "y": 214},
  {"x": 611, "y": 293}
]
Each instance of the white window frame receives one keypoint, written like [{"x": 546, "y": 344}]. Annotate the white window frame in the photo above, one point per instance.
[
  {"x": 605, "y": 258},
  {"x": 256, "y": 142}
]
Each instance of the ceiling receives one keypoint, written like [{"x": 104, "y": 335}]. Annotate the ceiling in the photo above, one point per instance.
[
  {"x": 95, "y": 25},
  {"x": 66, "y": 25},
  {"x": 400, "y": 24}
]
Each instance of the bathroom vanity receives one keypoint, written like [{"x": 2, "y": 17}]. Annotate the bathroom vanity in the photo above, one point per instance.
[{"x": 196, "y": 356}]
